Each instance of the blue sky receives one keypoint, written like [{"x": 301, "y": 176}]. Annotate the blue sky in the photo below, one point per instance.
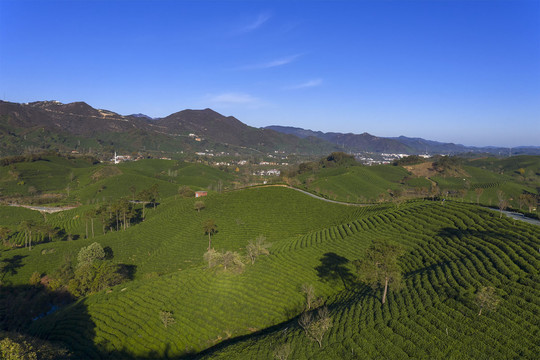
[{"x": 458, "y": 71}]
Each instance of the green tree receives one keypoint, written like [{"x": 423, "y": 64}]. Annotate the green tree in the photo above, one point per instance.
[
  {"x": 380, "y": 266},
  {"x": 12, "y": 350},
  {"x": 4, "y": 235},
  {"x": 210, "y": 228},
  {"x": 199, "y": 205},
  {"x": 92, "y": 252}
]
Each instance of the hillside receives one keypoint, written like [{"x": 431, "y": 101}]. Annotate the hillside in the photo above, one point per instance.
[
  {"x": 77, "y": 126},
  {"x": 484, "y": 181},
  {"x": 83, "y": 180},
  {"x": 451, "y": 251}
]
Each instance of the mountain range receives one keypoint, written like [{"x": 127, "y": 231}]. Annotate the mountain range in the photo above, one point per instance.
[{"x": 78, "y": 126}]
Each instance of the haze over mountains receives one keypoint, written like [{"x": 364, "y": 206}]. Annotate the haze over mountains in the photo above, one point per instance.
[{"x": 46, "y": 124}]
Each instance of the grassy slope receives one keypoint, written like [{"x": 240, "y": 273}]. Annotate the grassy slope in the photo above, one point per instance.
[
  {"x": 367, "y": 184},
  {"x": 451, "y": 250},
  {"x": 356, "y": 183},
  {"x": 95, "y": 183}
]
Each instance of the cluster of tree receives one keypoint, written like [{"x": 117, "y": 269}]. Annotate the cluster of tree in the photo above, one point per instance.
[
  {"x": 335, "y": 159},
  {"x": 93, "y": 272},
  {"x": 33, "y": 233},
  {"x": 444, "y": 163},
  {"x": 409, "y": 160},
  {"x": 15, "y": 346},
  {"x": 232, "y": 260},
  {"x": 8, "y": 160}
]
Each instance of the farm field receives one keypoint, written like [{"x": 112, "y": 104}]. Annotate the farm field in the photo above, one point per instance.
[{"x": 173, "y": 302}]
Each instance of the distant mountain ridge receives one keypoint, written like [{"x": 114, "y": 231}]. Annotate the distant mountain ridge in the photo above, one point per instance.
[
  {"x": 399, "y": 145},
  {"x": 78, "y": 126},
  {"x": 52, "y": 124}
]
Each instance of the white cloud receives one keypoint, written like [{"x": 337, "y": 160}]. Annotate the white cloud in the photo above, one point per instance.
[
  {"x": 254, "y": 25},
  {"x": 307, "y": 84},
  {"x": 273, "y": 63},
  {"x": 232, "y": 98}
]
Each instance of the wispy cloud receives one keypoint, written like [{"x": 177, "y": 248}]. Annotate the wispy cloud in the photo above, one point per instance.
[
  {"x": 233, "y": 98},
  {"x": 272, "y": 64},
  {"x": 255, "y": 24},
  {"x": 307, "y": 84}
]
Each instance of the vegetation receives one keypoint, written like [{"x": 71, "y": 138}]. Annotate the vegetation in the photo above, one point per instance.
[{"x": 112, "y": 291}]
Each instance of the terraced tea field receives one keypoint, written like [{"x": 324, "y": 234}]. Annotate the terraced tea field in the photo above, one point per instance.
[{"x": 451, "y": 251}]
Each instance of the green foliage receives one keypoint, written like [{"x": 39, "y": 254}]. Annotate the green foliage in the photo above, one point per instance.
[
  {"x": 338, "y": 159},
  {"x": 96, "y": 276},
  {"x": 89, "y": 254},
  {"x": 380, "y": 266},
  {"x": 12, "y": 350},
  {"x": 451, "y": 250}
]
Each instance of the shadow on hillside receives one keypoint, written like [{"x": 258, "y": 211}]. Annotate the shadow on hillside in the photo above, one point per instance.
[
  {"x": 484, "y": 235},
  {"x": 334, "y": 268},
  {"x": 10, "y": 266}
]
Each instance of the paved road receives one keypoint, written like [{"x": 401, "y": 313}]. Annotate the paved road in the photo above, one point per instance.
[{"x": 521, "y": 217}]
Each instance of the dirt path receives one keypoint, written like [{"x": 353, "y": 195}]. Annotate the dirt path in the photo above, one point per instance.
[{"x": 46, "y": 209}]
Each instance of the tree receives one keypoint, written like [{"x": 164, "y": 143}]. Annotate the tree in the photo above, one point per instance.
[
  {"x": 90, "y": 253},
  {"x": 309, "y": 291},
  {"x": 316, "y": 327},
  {"x": 4, "y": 235},
  {"x": 380, "y": 266},
  {"x": 212, "y": 257},
  {"x": 503, "y": 202},
  {"x": 185, "y": 191},
  {"x": 166, "y": 318},
  {"x": 257, "y": 247},
  {"x": 210, "y": 228},
  {"x": 479, "y": 191},
  {"x": 199, "y": 205},
  {"x": 283, "y": 351},
  {"x": 486, "y": 298},
  {"x": 133, "y": 190},
  {"x": 232, "y": 258}
]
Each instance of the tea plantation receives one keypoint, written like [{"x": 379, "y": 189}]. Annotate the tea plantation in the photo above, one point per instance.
[{"x": 176, "y": 304}]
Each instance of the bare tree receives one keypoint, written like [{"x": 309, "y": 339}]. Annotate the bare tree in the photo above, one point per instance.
[
  {"x": 503, "y": 202},
  {"x": 256, "y": 248},
  {"x": 486, "y": 298},
  {"x": 212, "y": 257},
  {"x": 230, "y": 259},
  {"x": 316, "y": 327},
  {"x": 283, "y": 351},
  {"x": 479, "y": 191},
  {"x": 166, "y": 318},
  {"x": 309, "y": 291}
]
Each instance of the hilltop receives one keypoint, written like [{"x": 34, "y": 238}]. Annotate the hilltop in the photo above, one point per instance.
[{"x": 77, "y": 126}]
